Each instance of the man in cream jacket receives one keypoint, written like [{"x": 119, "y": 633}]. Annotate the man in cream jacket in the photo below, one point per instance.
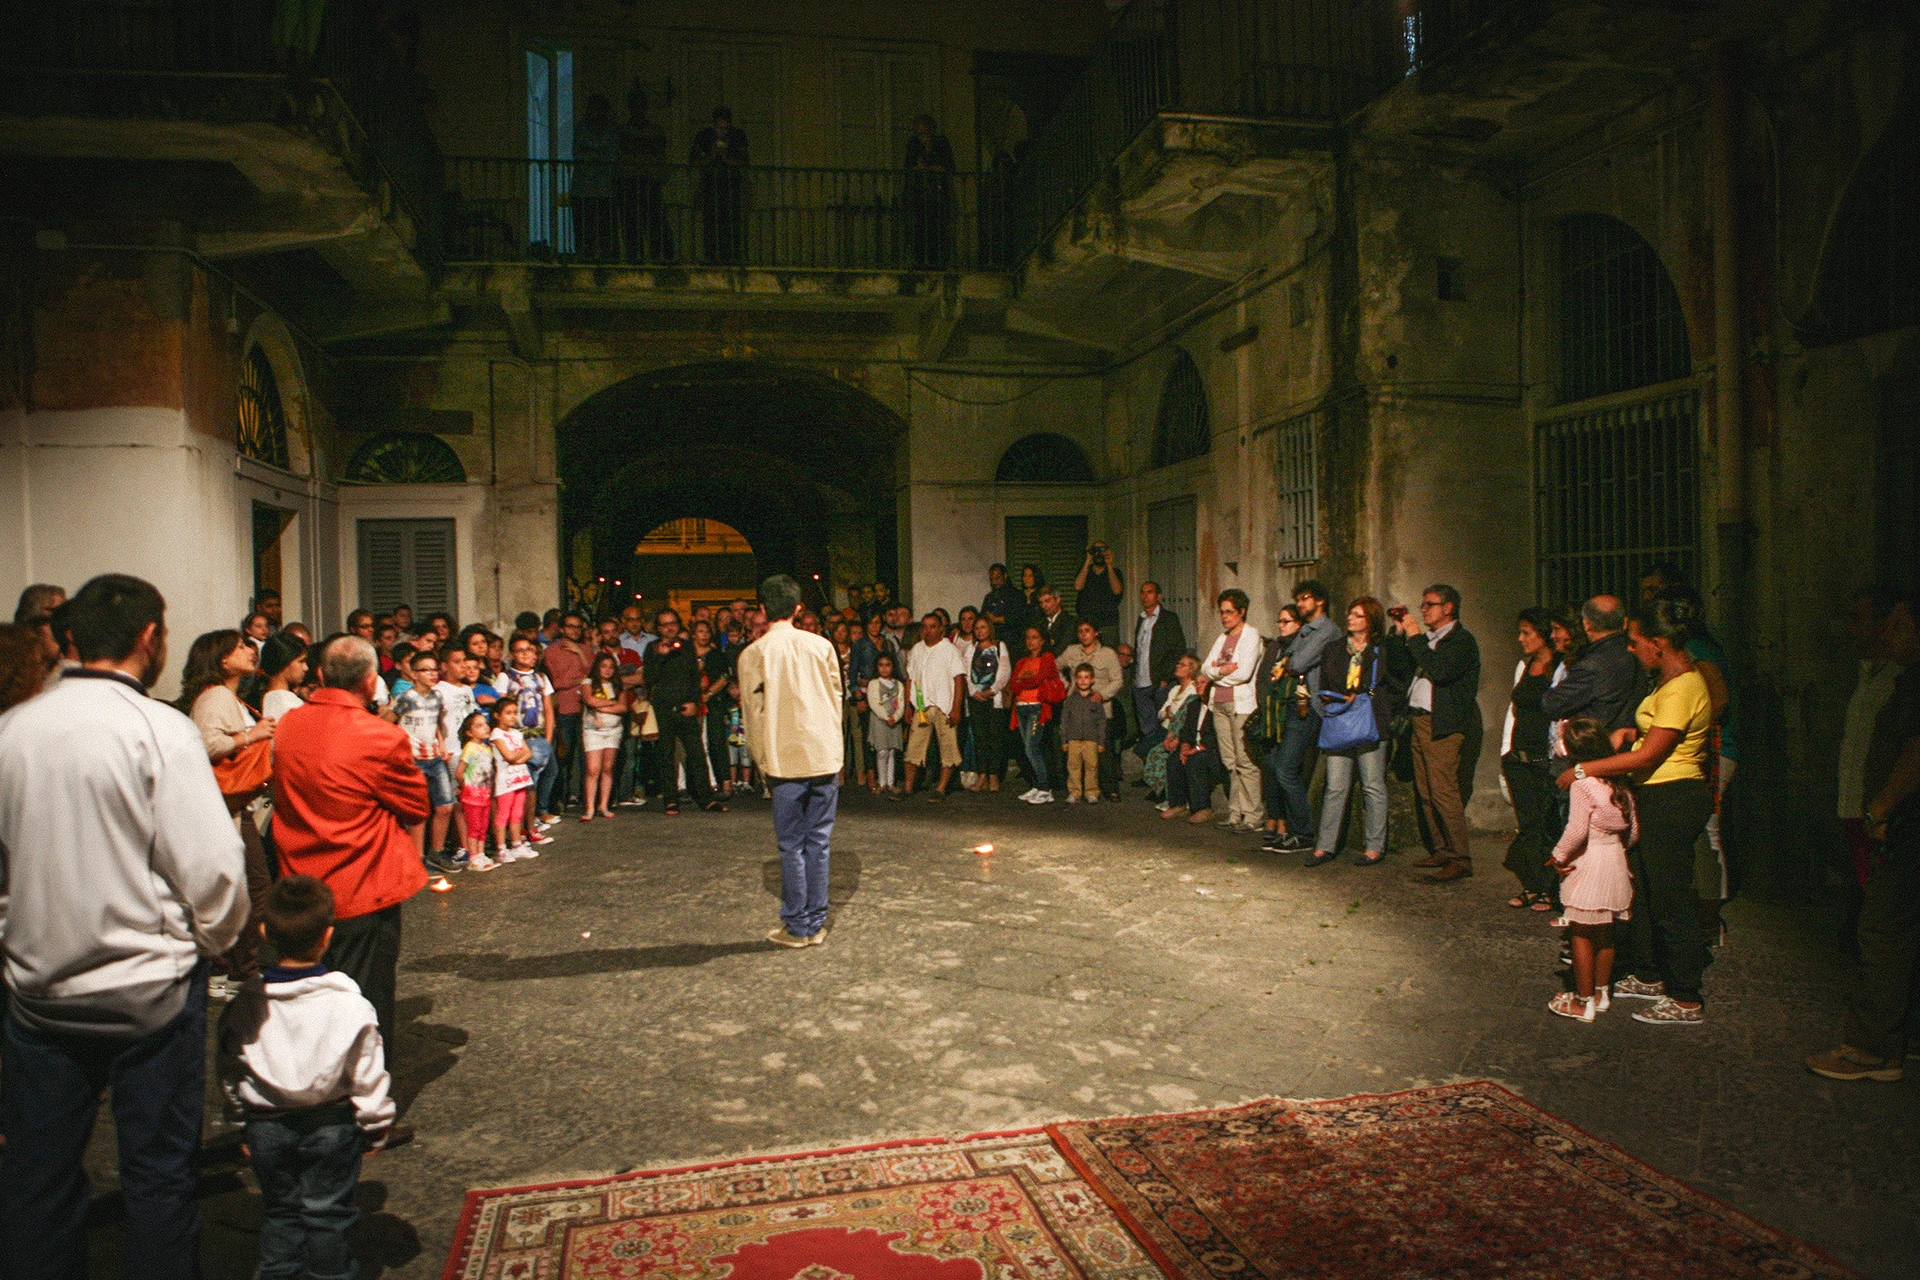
[{"x": 790, "y": 707}]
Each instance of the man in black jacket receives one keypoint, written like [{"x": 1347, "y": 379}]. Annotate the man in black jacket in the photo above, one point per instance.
[
  {"x": 1607, "y": 682},
  {"x": 672, "y": 674},
  {"x": 1444, "y": 699},
  {"x": 1056, "y": 628},
  {"x": 1158, "y": 643}
]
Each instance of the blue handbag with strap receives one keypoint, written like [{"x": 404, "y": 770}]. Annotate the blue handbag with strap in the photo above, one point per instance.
[{"x": 1349, "y": 726}]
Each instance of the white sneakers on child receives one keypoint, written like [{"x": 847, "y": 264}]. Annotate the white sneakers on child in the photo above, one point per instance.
[
  {"x": 517, "y": 852},
  {"x": 481, "y": 862}
]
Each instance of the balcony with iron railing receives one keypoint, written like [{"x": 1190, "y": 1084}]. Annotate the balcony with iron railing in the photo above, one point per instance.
[
  {"x": 1298, "y": 62},
  {"x": 573, "y": 212},
  {"x": 338, "y": 76}
]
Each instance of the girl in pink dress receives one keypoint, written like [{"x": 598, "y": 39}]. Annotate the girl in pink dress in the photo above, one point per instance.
[{"x": 1596, "y": 888}]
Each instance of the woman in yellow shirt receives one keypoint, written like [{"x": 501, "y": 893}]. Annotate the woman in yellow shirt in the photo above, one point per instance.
[{"x": 1666, "y": 952}]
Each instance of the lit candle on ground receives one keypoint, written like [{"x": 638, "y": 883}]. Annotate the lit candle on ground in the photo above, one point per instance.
[{"x": 983, "y": 849}]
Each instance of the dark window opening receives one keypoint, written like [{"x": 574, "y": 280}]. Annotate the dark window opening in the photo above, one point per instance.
[
  {"x": 1183, "y": 431},
  {"x": 1044, "y": 458},
  {"x": 1620, "y": 321},
  {"x": 1870, "y": 269}
]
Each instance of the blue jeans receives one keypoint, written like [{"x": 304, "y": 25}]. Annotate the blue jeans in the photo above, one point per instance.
[
  {"x": 572, "y": 770},
  {"x": 1146, "y": 709},
  {"x": 544, "y": 774},
  {"x": 1372, "y": 767},
  {"x": 1033, "y": 737},
  {"x": 50, "y": 1089},
  {"x": 1288, "y": 763},
  {"x": 308, "y": 1164},
  {"x": 440, "y": 789},
  {"x": 803, "y": 812}
]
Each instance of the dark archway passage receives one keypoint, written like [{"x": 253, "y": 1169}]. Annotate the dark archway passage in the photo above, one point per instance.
[{"x": 799, "y": 463}]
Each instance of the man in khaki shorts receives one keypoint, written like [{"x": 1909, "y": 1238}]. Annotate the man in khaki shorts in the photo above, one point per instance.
[{"x": 938, "y": 679}]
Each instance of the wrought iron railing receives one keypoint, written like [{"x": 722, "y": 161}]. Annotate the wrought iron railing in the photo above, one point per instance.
[
  {"x": 515, "y": 210},
  {"x": 364, "y": 56},
  {"x": 1313, "y": 61}
]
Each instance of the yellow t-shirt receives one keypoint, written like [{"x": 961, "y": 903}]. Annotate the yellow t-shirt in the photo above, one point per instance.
[{"x": 1683, "y": 704}]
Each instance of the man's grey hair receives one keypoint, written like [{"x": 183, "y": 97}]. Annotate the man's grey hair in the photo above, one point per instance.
[
  {"x": 346, "y": 662},
  {"x": 1604, "y": 619}
]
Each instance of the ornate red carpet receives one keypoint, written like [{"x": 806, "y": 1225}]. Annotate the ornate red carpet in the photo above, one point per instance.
[{"x": 1459, "y": 1181}]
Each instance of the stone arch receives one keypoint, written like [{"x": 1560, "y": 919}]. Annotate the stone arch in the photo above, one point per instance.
[
  {"x": 1044, "y": 457},
  {"x": 274, "y": 341},
  {"x": 800, "y": 463},
  {"x": 1868, "y": 280}
]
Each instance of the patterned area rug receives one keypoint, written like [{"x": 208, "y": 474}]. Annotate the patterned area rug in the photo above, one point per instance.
[
  {"x": 1458, "y": 1181},
  {"x": 998, "y": 1207},
  {"x": 1464, "y": 1180}
]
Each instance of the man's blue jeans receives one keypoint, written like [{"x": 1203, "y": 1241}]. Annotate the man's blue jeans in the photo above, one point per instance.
[
  {"x": 307, "y": 1164},
  {"x": 803, "y": 813},
  {"x": 1146, "y": 708},
  {"x": 1033, "y": 738},
  {"x": 50, "y": 1089},
  {"x": 1288, "y": 761},
  {"x": 544, "y": 774}
]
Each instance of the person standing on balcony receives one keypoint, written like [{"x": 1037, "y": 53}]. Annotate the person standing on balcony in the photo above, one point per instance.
[
  {"x": 929, "y": 196},
  {"x": 720, "y": 154},
  {"x": 638, "y": 194},
  {"x": 596, "y": 152}
]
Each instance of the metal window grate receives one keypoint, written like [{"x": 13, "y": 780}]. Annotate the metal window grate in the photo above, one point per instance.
[
  {"x": 1183, "y": 431},
  {"x": 1616, "y": 491},
  {"x": 1297, "y": 477},
  {"x": 1620, "y": 321},
  {"x": 262, "y": 432},
  {"x": 1044, "y": 458},
  {"x": 405, "y": 457}
]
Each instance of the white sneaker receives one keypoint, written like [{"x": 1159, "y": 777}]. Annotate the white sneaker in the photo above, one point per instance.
[
  {"x": 1162, "y": 807},
  {"x": 539, "y": 837},
  {"x": 1073, "y": 799},
  {"x": 1027, "y": 795},
  {"x": 481, "y": 862},
  {"x": 544, "y": 823},
  {"x": 519, "y": 852},
  {"x": 1093, "y": 799},
  {"x": 1045, "y": 797}
]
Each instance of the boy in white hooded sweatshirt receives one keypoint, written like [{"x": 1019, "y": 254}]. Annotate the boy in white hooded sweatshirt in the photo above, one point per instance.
[{"x": 302, "y": 1065}]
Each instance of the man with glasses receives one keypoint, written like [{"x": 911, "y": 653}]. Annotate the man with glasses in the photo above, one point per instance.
[{"x": 1444, "y": 699}]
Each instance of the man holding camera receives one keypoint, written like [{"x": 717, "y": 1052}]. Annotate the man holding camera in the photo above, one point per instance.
[{"x": 1098, "y": 590}]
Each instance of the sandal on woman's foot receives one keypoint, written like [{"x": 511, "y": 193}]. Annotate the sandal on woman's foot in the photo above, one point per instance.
[
  {"x": 1569, "y": 1005},
  {"x": 1519, "y": 900},
  {"x": 1541, "y": 902},
  {"x": 673, "y": 810},
  {"x": 713, "y": 806}
]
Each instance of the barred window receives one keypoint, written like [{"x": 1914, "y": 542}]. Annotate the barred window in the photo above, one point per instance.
[
  {"x": 1616, "y": 493},
  {"x": 1297, "y": 478},
  {"x": 1620, "y": 321},
  {"x": 1183, "y": 431},
  {"x": 262, "y": 428}
]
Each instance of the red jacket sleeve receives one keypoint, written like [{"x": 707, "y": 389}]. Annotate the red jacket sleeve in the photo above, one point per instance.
[{"x": 397, "y": 785}]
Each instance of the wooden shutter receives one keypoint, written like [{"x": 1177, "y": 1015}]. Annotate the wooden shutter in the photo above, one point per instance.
[
  {"x": 407, "y": 562},
  {"x": 1171, "y": 559},
  {"x": 1057, "y": 544}
]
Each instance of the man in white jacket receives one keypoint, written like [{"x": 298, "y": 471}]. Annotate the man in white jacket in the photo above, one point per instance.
[
  {"x": 790, "y": 707},
  {"x": 120, "y": 873},
  {"x": 302, "y": 1065}
]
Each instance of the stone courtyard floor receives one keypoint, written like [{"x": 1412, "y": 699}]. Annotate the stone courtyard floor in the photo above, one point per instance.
[{"x": 613, "y": 1005}]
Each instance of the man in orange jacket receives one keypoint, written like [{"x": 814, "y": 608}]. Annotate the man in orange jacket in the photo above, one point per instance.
[{"x": 346, "y": 800}]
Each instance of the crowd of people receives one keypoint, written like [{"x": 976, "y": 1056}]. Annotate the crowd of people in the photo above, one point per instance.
[{"x": 253, "y": 845}]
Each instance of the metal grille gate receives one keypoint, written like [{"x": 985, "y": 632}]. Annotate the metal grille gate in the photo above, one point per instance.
[{"x": 1616, "y": 491}]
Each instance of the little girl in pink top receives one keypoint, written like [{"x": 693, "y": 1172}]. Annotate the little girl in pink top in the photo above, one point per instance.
[{"x": 1596, "y": 888}]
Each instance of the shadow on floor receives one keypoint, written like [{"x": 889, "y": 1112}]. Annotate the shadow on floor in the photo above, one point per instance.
[
  {"x": 843, "y": 877},
  {"x": 425, "y": 1050},
  {"x": 494, "y": 967}
]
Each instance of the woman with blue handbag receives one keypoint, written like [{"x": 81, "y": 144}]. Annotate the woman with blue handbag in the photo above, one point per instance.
[{"x": 1356, "y": 712}]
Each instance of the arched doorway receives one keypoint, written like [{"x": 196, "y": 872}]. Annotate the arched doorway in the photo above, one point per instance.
[
  {"x": 799, "y": 464},
  {"x": 693, "y": 561}
]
